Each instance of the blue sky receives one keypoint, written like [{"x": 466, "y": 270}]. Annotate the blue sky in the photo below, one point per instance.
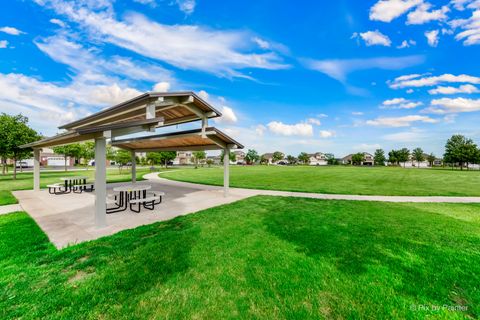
[{"x": 329, "y": 76}]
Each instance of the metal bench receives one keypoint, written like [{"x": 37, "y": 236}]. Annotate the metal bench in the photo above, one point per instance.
[
  {"x": 52, "y": 188},
  {"x": 87, "y": 187},
  {"x": 149, "y": 202}
]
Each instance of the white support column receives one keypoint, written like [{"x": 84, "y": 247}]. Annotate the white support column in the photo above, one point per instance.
[
  {"x": 150, "y": 111},
  {"x": 36, "y": 169},
  {"x": 134, "y": 167},
  {"x": 100, "y": 182},
  {"x": 226, "y": 171},
  {"x": 204, "y": 126}
]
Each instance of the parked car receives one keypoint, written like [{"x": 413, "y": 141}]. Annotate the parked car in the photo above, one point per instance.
[{"x": 23, "y": 164}]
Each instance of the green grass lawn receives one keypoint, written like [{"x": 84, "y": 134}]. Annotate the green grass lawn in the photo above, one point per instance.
[
  {"x": 263, "y": 257},
  {"x": 341, "y": 180},
  {"x": 24, "y": 181}
]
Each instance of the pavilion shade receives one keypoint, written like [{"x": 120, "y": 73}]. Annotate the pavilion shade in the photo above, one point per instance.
[
  {"x": 173, "y": 107},
  {"x": 180, "y": 141}
]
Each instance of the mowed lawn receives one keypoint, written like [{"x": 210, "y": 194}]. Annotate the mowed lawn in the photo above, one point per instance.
[
  {"x": 341, "y": 179},
  {"x": 24, "y": 180},
  {"x": 260, "y": 258}
]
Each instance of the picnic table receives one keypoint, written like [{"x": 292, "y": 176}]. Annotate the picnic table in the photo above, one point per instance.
[
  {"x": 70, "y": 182},
  {"x": 127, "y": 193},
  {"x": 73, "y": 183}
]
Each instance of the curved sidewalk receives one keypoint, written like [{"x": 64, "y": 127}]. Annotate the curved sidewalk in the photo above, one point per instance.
[{"x": 242, "y": 192}]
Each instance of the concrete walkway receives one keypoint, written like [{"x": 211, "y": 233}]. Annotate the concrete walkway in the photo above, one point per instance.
[
  {"x": 10, "y": 208},
  {"x": 242, "y": 192}
]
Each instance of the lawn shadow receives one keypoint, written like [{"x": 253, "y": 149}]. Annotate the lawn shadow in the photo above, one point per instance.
[
  {"x": 132, "y": 262},
  {"x": 432, "y": 254}
]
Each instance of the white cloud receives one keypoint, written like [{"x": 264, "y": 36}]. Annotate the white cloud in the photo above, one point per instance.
[
  {"x": 260, "y": 129},
  {"x": 387, "y": 10},
  {"x": 58, "y": 22},
  {"x": 3, "y": 44},
  {"x": 413, "y": 135},
  {"x": 406, "y": 44},
  {"x": 432, "y": 37},
  {"x": 394, "y": 101},
  {"x": 339, "y": 69},
  {"x": 404, "y": 121},
  {"x": 455, "y": 105},
  {"x": 261, "y": 43},
  {"x": 416, "y": 80},
  {"x": 459, "y": 4},
  {"x": 373, "y": 38},
  {"x": 367, "y": 147},
  {"x": 422, "y": 14},
  {"x": 466, "y": 88},
  {"x": 399, "y": 103},
  {"x": 327, "y": 134},
  {"x": 471, "y": 27},
  {"x": 187, "y": 6},
  {"x": 51, "y": 104},
  {"x": 314, "y": 121},
  {"x": 203, "y": 94},
  {"x": 228, "y": 116},
  {"x": 11, "y": 30},
  {"x": 161, "y": 87},
  {"x": 88, "y": 60},
  {"x": 299, "y": 129},
  {"x": 184, "y": 46}
]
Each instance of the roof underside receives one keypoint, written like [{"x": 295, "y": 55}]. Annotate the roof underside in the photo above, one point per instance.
[
  {"x": 190, "y": 140},
  {"x": 175, "y": 107},
  {"x": 143, "y": 113}
]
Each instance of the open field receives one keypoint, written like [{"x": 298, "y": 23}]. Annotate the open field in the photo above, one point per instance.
[
  {"x": 341, "y": 180},
  {"x": 263, "y": 257},
  {"x": 25, "y": 180}
]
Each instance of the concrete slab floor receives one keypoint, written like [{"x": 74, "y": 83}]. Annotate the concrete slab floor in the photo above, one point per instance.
[{"x": 69, "y": 219}]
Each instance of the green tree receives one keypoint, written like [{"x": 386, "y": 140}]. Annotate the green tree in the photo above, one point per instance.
[
  {"x": 15, "y": 132},
  {"x": 417, "y": 155},
  {"x": 168, "y": 156},
  {"x": 251, "y": 156},
  {"x": 431, "y": 159},
  {"x": 277, "y": 156},
  {"x": 231, "y": 156},
  {"x": 379, "y": 157},
  {"x": 331, "y": 159},
  {"x": 198, "y": 156},
  {"x": 73, "y": 150},
  {"x": 357, "y": 158},
  {"x": 403, "y": 155},
  {"x": 209, "y": 162},
  {"x": 303, "y": 157},
  {"x": 291, "y": 159},
  {"x": 154, "y": 158},
  {"x": 162, "y": 157},
  {"x": 393, "y": 157},
  {"x": 461, "y": 150},
  {"x": 87, "y": 152},
  {"x": 122, "y": 158},
  {"x": 263, "y": 159}
]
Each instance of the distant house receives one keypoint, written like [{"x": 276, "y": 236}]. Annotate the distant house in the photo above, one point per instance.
[
  {"x": 48, "y": 158},
  {"x": 367, "y": 159},
  {"x": 183, "y": 158},
  {"x": 239, "y": 157},
  {"x": 414, "y": 164},
  {"x": 317, "y": 159},
  {"x": 214, "y": 159},
  {"x": 268, "y": 157}
]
